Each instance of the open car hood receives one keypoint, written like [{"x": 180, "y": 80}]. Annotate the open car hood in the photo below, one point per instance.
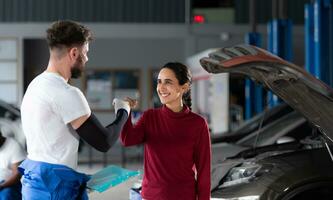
[{"x": 302, "y": 91}]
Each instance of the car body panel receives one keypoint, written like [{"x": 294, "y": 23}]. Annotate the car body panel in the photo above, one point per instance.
[
  {"x": 221, "y": 151},
  {"x": 291, "y": 170}
]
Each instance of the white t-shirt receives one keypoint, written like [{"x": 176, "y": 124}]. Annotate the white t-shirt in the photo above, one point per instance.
[
  {"x": 10, "y": 153},
  {"x": 48, "y": 107}
]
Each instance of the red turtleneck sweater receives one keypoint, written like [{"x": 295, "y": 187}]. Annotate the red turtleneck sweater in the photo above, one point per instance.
[{"x": 174, "y": 145}]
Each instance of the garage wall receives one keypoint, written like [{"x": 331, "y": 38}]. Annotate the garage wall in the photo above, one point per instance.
[
  {"x": 144, "y": 54},
  {"x": 142, "y": 46},
  {"x": 134, "y": 53}
]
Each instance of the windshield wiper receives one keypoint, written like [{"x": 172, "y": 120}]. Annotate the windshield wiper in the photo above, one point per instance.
[{"x": 323, "y": 138}]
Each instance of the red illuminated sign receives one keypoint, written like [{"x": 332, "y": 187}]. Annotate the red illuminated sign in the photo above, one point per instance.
[{"x": 198, "y": 19}]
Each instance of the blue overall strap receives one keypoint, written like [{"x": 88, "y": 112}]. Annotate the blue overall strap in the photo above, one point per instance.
[{"x": 42, "y": 180}]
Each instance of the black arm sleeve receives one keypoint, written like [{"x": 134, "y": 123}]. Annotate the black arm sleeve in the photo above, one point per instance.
[{"x": 100, "y": 137}]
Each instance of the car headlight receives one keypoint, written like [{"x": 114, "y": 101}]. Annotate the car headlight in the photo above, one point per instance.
[
  {"x": 254, "y": 197},
  {"x": 244, "y": 174}
]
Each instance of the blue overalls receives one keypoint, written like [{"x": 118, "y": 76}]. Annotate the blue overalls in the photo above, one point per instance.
[
  {"x": 42, "y": 180},
  {"x": 12, "y": 192}
]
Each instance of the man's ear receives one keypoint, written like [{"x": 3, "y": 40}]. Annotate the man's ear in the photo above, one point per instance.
[{"x": 73, "y": 53}]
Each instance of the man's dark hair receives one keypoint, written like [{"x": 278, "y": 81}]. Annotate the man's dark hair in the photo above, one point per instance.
[{"x": 67, "y": 33}]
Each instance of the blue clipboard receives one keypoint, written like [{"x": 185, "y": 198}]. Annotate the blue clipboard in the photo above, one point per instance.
[{"x": 110, "y": 177}]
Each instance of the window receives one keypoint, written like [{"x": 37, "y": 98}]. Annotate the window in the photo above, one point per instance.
[
  {"x": 9, "y": 70},
  {"x": 103, "y": 85}
]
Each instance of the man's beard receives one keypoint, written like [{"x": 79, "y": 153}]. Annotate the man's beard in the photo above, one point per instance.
[{"x": 76, "y": 70}]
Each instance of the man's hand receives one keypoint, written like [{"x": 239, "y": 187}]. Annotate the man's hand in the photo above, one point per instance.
[
  {"x": 121, "y": 104},
  {"x": 132, "y": 102}
]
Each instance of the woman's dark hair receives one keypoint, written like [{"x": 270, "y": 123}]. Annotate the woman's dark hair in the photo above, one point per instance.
[
  {"x": 183, "y": 76},
  {"x": 66, "y": 34}
]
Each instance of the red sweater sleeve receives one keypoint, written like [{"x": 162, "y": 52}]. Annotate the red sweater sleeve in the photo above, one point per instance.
[
  {"x": 133, "y": 134},
  {"x": 202, "y": 161}
]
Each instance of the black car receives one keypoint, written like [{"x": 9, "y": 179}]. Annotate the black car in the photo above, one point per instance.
[
  {"x": 299, "y": 169},
  {"x": 10, "y": 122},
  {"x": 9, "y": 111}
]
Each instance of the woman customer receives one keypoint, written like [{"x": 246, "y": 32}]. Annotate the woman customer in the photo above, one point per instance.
[{"x": 177, "y": 153}]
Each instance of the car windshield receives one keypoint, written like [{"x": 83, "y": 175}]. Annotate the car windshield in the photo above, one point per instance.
[
  {"x": 285, "y": 126},
  {"x": 252, "y": 124}
]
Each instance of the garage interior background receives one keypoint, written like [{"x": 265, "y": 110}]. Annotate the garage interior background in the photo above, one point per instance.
[{"x": 135, "y": 37}]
